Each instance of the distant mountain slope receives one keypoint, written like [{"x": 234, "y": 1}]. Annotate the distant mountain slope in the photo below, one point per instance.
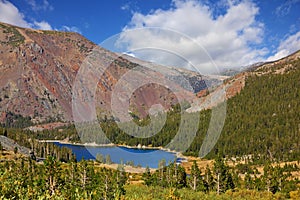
[
  {"x": 233, "y": 85},
  {"x": 262, "y": 117},
  {"x": 197, "y": 81},
  {"x": 38, "y": 69}
]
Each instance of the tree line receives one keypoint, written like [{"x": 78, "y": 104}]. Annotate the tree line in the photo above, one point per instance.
[
  {"x": 37, "y": 148},
  {"x": 221, "y": 178},
  {"x": 26, "y": 179}
]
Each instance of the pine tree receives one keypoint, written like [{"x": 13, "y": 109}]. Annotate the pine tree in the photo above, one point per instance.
[
  {"x": 83, "y": 166},
  {"x": 16, "y": 150},
  {"x": 52, "y": 169},
  {"x": 223, "y": 176},
  {"x": 147, "y": 178},
  {"x": 73, "y": 177},
  {"x": 209, "y": 179},
  {"x": 161, "y": 166},
  {"x": 181, "y": 181},
  {"x": 196, "y": 181},
  {"x": 229, "y": 181},
  {"x": 267, "y": 177},
  {"x": 120, "y": 180}
]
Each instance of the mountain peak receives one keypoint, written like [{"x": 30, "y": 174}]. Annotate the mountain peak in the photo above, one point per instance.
[{"x": 38, "y": 70}]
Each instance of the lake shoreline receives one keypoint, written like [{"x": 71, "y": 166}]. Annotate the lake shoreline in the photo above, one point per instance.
[{"x": 178, "y": 154}]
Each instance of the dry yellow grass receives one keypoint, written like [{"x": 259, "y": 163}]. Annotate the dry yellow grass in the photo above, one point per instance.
[
  {"x": 202, "y": 163},
  {"x": 9, "y": 155}
]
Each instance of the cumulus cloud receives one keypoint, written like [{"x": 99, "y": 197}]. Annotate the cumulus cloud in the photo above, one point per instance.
[
  {"x": 10, "y": 14},
  {"x": 287, "y": 46},
  {"x": 42, "y": 25},
  {"x": 228, "y": 38}
]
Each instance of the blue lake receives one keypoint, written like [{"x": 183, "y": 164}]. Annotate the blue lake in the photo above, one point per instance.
[{"x": 143, "y": 157}]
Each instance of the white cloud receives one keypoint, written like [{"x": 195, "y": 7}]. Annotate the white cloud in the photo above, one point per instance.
[
  {"x": 285, "y": 8},
  {"x": 287, "y": 46},
  {"x": 228, "y": 38},
  {"x": 43, "y": 25},
  {"x": 11, "y": 14},
  {"x": 42, "y": 5},
  {"x": 125, "y": 6},
  {"x": 71, "y": 29},
  {"x": 130, "y": 6}
]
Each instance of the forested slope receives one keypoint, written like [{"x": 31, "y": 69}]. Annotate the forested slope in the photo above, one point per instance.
[{"x": 262, "y": 120}]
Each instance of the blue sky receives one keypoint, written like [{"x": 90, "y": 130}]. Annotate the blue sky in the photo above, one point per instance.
[{"x": 234, "y": 32}]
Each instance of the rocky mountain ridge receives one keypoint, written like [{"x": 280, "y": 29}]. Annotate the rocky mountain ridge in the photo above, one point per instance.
[{"x": 38, "y": 70}]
